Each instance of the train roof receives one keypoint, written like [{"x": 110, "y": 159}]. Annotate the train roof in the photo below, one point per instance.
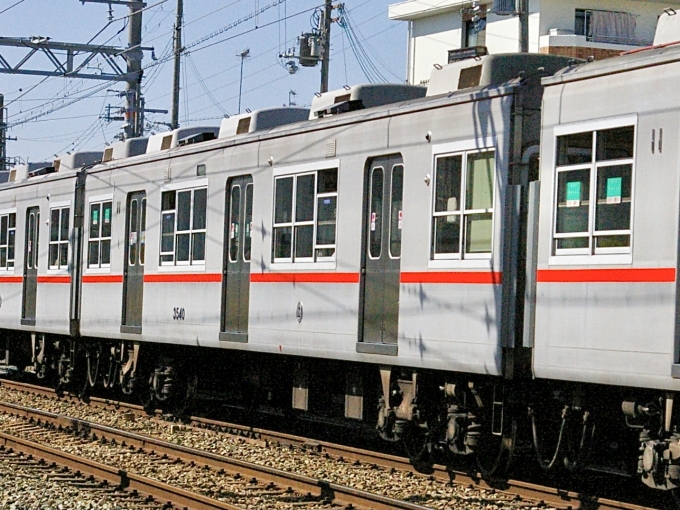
[
  {"x": 125, "y": 149},
  {"x": 179, "y": 137},
  {"x": 493, "y": 70},
  {"x": 261, "y": 120},
  {"x": 359, "y": 97}
]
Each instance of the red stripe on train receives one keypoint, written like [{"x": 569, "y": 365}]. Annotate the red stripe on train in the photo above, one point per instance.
[
  {"x": 642, "y": 275},
  {"x": 304, "y": 278},
  {"x": 11, "y": 279},
  {"x": 484, "y": 277},
  {"x": 107, "y": 278},
  {"x": 54, "y": 279},
  {"x": 183, "y": 278}
]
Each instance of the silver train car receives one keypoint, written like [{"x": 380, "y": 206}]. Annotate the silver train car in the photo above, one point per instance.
[{"x": 471, "y": 268}]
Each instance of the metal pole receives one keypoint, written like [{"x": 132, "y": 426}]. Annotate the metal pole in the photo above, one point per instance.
[
  {"x": 243, "y": 56},
  {"x": 326, "y": 45},
  {"x": 133, "y": 55},
  {"x": 3, "y": 136},
  {"x": 523, "y": 25},
  {"x": 178, "y": 53}
]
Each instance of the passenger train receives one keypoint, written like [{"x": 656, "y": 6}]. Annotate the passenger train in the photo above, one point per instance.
[{"x": 481, "y": 268}]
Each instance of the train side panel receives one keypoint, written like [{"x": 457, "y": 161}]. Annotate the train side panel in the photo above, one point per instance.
[
  {"x": 36, "y": 290},
  {"x": 607, "y": 314},
  {"x": 450, "y": 306}
]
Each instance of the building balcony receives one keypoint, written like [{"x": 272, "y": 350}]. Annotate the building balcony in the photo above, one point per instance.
[{"x": 566, "y": 43}]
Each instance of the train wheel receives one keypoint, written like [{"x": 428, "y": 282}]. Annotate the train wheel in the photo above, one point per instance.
[
  {"x": 417, "y": 443},
  {"x": 185, "y": 395},
  {"x": 495, "y": 453},
  {"x": 93, "y": 360}
]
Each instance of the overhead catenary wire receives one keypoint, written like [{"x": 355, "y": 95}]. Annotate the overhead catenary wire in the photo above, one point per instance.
[
  {"x": 13, "y": 5},
  {"x": 208, "y": 92},
  {"x": 163, "y": 60}
]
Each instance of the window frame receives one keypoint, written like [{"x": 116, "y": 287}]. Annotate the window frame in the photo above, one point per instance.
[
  {"x": 6, "y": 268},
  {"x": 591, "y": 254},
  {"x": 295, "y": 172},
  {"x": 190, "y": 264},
  {"x": 59, "y": 268},
  {"x": 462, "y": 258},
  {"x": 101, "y": 200}
]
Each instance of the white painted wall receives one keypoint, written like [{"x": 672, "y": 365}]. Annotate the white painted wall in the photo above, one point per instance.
[
  {"x": 431, "y": 41},
  {"x": 437, "y": 26}
]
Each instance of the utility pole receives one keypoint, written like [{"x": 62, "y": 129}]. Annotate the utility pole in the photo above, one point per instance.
[
  {"x": 523, "y": 13},
  {"x": 177, "y": 37},
  {"x": 3, "y": 134},
  {"x": 133, "y": 115},
  {"x": 326, "y": 45},
  {"x": 133, "y": 126}
]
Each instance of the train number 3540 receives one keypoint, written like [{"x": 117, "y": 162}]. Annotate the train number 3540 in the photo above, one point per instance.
[{"x": 178, "y": 314}]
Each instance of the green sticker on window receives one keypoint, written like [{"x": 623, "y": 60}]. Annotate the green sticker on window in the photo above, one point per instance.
[
  {"x": 95, "y": 217},
  {"x": 573, "y": 194},
  {"x": 614, "y": 192},
  {"x": 107, "y": 215}
]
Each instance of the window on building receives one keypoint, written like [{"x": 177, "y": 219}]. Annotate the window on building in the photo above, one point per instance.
[
  {"x": 612, "y": 27},
  {"x": 59, "y": 231},
  {"x": 99, "y": 247},
  {"x": 474, "y": 26},
  {"x": 183, "y": 222},
  {"x": 594, "y": 187},
  {"x": 462, "y": 216},
  {"x": 7, "y": 238},
  {"x": 305, "y": 208}
]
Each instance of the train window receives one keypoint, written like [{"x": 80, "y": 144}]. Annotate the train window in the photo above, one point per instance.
[
  {"x": 594, "y": 192},
  {"x": 183, "y": 226},
  {"x": 99, "y": 246},
  {"x": 304, "y": 216},
  {"x": 59, "y": 230},
  {"x": 234, "y": 223},
  {"x": 462, "y": 223},
  {"x": 305, "y": 208},
  {"x": 132, "y": 241},
  {"x": 396, "y": 211},
  {"x": 7, "y": 239},
  {"x": 142, "y": 232},
  {"x": 375, "y": 237},
  {"x": 31, "y": 250},
  {"x": 283, "y": 219},
  {"x": 248, "y": 223}
]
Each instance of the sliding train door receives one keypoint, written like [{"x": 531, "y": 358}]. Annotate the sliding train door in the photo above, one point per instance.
[
  {"x": 381, "y": 268},
  {"x": 133, "y": 274},
  {"x": 30, "y": 289},
  {"x": 236, "y": 266}
]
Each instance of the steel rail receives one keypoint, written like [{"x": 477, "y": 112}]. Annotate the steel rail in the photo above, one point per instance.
[
  {"x": 549, "y": 495},
  {"x": 320, "y": 488},
  {"x": 129, "y": 481}
]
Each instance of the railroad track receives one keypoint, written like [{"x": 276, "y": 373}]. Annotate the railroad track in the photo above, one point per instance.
[{"x": 317, "y": 489}]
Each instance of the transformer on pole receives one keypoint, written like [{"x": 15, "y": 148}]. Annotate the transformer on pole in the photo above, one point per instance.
[{"x": 314, "y": 47}]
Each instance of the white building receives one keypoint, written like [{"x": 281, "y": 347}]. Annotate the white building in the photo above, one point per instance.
[{"x": 582, "y": 28}]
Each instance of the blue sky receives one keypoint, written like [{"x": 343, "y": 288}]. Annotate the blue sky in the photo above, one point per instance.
[{"x": 211, "y": 70}]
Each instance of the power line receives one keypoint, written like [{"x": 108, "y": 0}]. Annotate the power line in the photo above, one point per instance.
[{"x": 8, "y": 8}]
